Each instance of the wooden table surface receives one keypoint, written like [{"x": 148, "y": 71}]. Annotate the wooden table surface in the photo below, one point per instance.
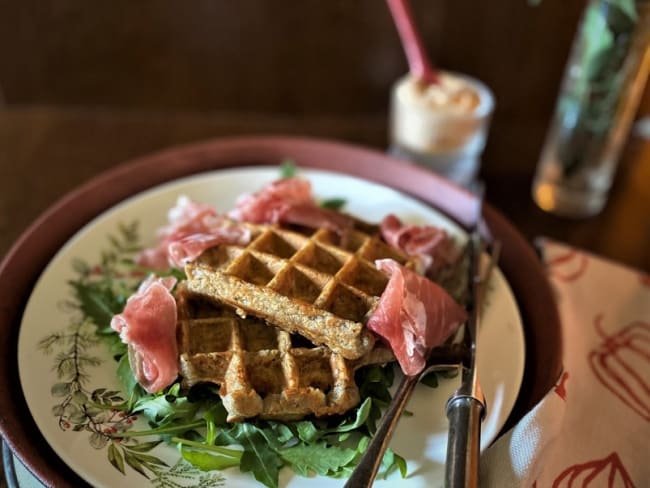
[{"x": 47, "y": 151}]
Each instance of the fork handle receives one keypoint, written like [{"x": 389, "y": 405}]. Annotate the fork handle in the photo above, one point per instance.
[
  {"x": 461, "y": 469},
  {"x": 366, "y": 471}
]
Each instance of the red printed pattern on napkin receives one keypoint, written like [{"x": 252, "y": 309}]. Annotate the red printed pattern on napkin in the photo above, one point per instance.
[
  {"x": 608, "y": 472},
  {"x": 644, "y": 278},
  {"x": 621, "y": 363},
  {"x": 568, "y": 266},
  {"x": 560, "y": 386}
]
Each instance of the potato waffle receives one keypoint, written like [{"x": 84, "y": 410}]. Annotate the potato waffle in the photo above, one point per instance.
[
  {"x": 320, "y": 284},
  {"x": 262, "y": 370}
]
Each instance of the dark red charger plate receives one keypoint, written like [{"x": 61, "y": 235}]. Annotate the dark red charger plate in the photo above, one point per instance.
[{"x": 39, "y": 243}]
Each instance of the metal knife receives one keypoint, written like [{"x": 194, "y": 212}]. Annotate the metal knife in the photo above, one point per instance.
[{"x": 466, "y": 408}]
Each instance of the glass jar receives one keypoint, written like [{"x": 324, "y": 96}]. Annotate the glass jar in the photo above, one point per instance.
[
  {"x": 442, "y": 127},
  {"x": 602, "y": 86}
]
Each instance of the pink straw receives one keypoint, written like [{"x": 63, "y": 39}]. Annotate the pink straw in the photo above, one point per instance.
[{"x": 419, "y": 64}]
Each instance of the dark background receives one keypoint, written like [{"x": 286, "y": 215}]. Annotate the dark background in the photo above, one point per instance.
[
  {"x": 304, "y": 58},
  {"x": 88, "y": 85}
]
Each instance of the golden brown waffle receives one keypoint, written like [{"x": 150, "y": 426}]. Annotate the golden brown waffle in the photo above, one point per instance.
[
  {"x": 320, "y": 284},
  {"x": 262, "y": 370}
]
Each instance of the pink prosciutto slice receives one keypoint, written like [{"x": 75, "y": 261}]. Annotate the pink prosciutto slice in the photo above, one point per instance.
[
  {"x": 148, "y": 326},
  {"x": 193, "y": 227},
  {"x": 288, "y": 201},
  {"x": 431, "y": 245},
  {"x": 315, "y": 217},
  {"x": 267, "y": 204},
  {"x": 188, "y": 248},
  {"x": 413, "y": 315}
]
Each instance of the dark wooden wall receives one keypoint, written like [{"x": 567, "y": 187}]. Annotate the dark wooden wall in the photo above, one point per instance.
[{"x": 300, "y": 57}]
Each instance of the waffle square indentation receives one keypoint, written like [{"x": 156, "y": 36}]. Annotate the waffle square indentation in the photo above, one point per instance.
[
  {"x": 300, "y": 284},
  {"x": 264, "y": 372},
  {"x": 350, "y": 241},
  {"x": 256, "y": 336},
  {"x": 321, "y": 259},
  {"x": 366, "y": 278},
  {"x": 209, "y": 335},
  {"x": 220, "y": 257},
  {"x": 315, "y": 370},
  {"x": 348, "y": 304},
  {"x": 252, "y": 270},
  {"x": 376, "y": 249},
  {"x": 273, "y": 243}
]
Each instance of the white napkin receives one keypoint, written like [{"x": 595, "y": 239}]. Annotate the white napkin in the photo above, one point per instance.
[{"x": 593, "y": 428}]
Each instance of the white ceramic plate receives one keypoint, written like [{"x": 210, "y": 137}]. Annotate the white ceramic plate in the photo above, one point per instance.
[{"x": 420, "y": 438}]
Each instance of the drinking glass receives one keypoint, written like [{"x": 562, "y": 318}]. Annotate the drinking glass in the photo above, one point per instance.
[
  {"x": 600, "y": 93},
  {"x": 446, "y": 138}
]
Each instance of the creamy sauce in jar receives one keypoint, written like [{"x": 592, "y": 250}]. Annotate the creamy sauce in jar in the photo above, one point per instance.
[
  {"x": 450, "y": 94},
  {"x": 444, "y": 125}
]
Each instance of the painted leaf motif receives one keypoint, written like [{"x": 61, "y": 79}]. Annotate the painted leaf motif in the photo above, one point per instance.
[
  {"x": 608, "y": 472},
  {"x": 135, "y": 463},
  {"x": 115, "y": 458},
  {"x": 144, "y": 446},
  {"x": 568, "y": 266},
  {"x": 60, "y": 389},
  {"x": 621, "y": 363}
]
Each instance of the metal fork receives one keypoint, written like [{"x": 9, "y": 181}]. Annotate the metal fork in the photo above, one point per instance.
[{"x": 447, "y": 357}]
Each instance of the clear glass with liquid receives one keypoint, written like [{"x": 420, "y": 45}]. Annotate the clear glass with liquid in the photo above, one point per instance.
[
  {"x": 443, "y": 128},
  {"x": 601, "y": 90}
]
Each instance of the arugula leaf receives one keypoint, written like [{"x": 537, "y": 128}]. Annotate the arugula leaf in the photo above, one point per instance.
[
  {"x": 390, "y": 462},
  {"x": 130, "y": 385},
  {"x": 282, "y": 432},
  {"x": 319, "y": 457},
  {"x": 334, "y": 203},
  {"x": 288, "y": 169},
  {"x": 207, "y": 457},
  {"x": 214, "y": 417},
  {"x": 165, "y": 408},
  {"x": 359, "y": 420},
  {"x": 374, "y": 383},
  {"x": 206, "y": 461},
  {"x": 307, "y": 432},
  {"x": 258, "y": 457}
]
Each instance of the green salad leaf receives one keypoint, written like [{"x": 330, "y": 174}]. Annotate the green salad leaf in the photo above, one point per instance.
[
  {"x": 319, "y": 457},
  {"x": 259, "y": 457},
  {"x": 288, "y": 169},
  {"x": 334, "y": 203}
]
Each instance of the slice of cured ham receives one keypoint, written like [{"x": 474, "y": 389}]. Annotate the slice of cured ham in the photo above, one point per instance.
[
  {"x": 193, "y": 227},
  {"x": 315, "y": 217},
  {"x": 413, "y": 315},
  {"x": 431, "y": 245},
  {"x": 188, "y": 248},
  {"x": 267, "y": 204},
  {"x": 148, "y": 326},
  {"x": 288, "y": 201}
]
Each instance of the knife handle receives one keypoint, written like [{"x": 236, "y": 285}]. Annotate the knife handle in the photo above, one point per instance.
[{"x": 464, "y": 413}]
